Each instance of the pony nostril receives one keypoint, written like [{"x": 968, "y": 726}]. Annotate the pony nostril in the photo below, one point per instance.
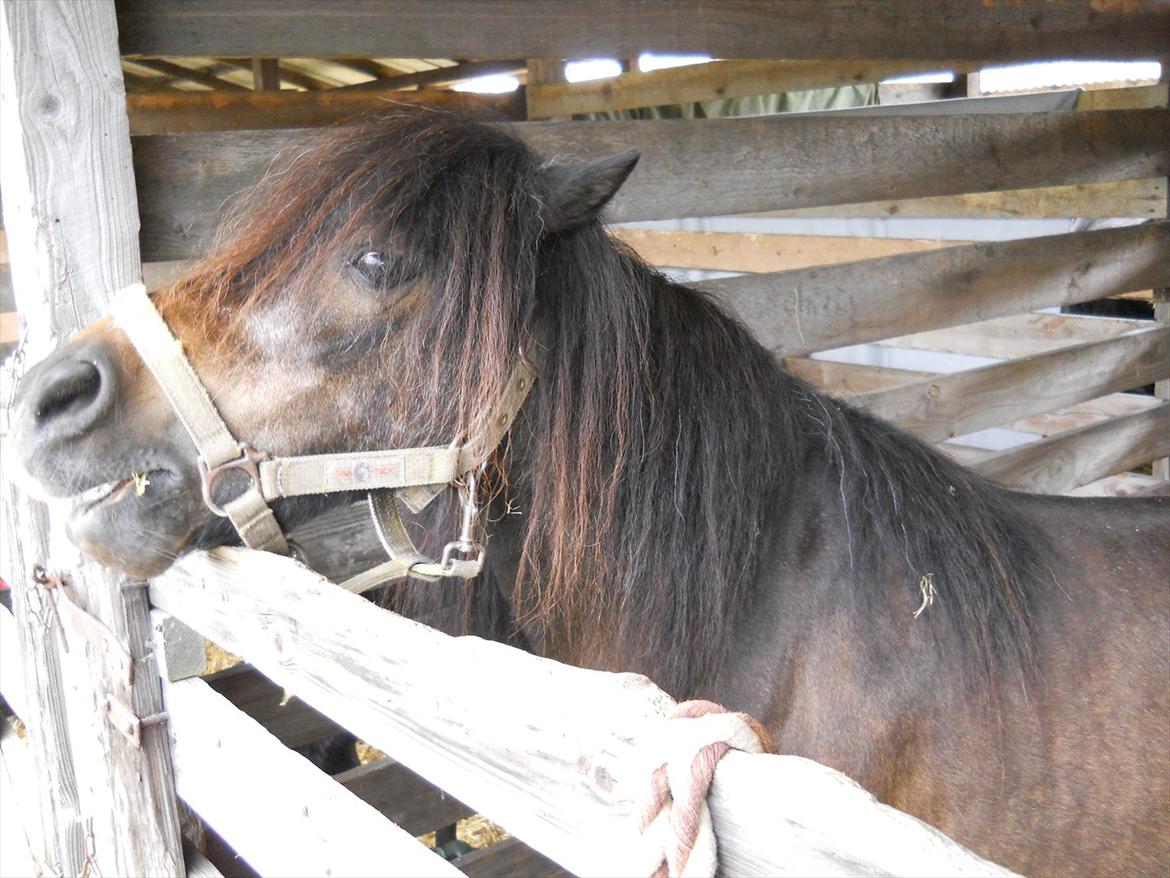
[{"x": 73, "y": 390}]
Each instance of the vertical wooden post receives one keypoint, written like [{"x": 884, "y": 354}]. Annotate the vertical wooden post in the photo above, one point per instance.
[
  {"x": 545, "y": 71},
  {"x": 266, "y": 74},
  {"x": 106, "y": 804},
  {"x": 1162, "y": 388}
]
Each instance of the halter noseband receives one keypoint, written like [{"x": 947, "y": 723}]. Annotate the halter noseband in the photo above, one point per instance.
[{"x": 417, "y": 475}]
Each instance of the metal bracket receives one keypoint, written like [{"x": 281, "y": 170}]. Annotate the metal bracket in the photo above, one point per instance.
[
  {"x": 122, "y": 716},
  {"x": 91, "y": 629}
]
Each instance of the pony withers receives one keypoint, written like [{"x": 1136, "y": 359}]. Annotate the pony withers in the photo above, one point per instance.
[{"x": 667, "y": 500}]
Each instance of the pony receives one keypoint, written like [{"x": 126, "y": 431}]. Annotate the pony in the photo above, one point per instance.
[{"x": 668, "y": 500}]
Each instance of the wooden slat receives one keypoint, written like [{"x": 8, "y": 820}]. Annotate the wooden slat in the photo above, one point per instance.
[
  {"x": 280, "y": 813},
  {"x": 952, "y": 405},
  {"x": 402, "y": 796},
  {"x": 555, "y": 756},
  {"x": 181, "y": 112},
  {"x": 850, "y": 379},
  {"x": 1120, "y": 485},
  {"x": 795, "y": 29},
  {"x": 717, "y": 166},
  {"x": 440, "y": 76},
  {"x": 1019, "y": 335},
  {"x": 1124, "y": 98},
  {"x": 731, "y": 251},
  {"x": 71, "y": 219},
  {"x": 1061, "y": 463},
  {"x": 291, "y": 721},
  {"x": 1145, "y": 199},
  {"x": 507, "y": 859},
  {"x": 798, "y": 312},
  {"x": 706, "y": 82}
]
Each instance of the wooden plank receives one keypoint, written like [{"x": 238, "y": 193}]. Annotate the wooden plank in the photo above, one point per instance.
[
  {"x": 558, "y": 756},
  {"x": 188, "y": 74},
  {"x": 850, "y": 379},
  {"x": 404, "y": 797},
  {"x": 72, "y": 221},
  {"x": 507, "y": 859},
  {"x": 1162, "y": 388},
  {"x": 795, "y": 29},
  {"x": 181, "y": 112},
  {"x": 811, "y": 309},
  {"x": 732, "y": 251},
  {"x": 229, "y": 770},
  {"x": 716, "y": 166},
  {"x": 1018, "y": 335},
  {"x": 1061, "y": 463},
  {"x": 440, "y": 76},
  {"x": 1120, "y": 485},
  {"x": 1118, "y": 198},
  {"x": 713, "y": 81},
  {"x": 1085, "y": 414},
  {"x": 289, "y": 720},
  {"x": 946, "y": 406},
  {"x": 1124, "y": 98},
  {"x": 265, "y": 74}
]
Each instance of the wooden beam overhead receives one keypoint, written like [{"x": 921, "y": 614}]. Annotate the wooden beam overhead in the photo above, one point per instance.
[
  {"x": 439, "y": 76},
  {"x": 183, "y": 112},
  {"x": 178, "y": 71},
  {"x": 720, "y": 166},
  {"x": 292, "y": 77},
  {"x": 713, "y": 81},
  {"x": 794, "y": 29}
]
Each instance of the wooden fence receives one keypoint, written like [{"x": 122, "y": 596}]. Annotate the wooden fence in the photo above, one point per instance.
[{"x": 86, "y": 204}]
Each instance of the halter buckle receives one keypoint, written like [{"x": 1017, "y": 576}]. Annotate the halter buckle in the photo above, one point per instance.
[{"x": 246, "y": 463}]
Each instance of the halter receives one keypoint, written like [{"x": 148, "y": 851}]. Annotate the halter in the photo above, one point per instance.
[{"x": 414, "y": 475}]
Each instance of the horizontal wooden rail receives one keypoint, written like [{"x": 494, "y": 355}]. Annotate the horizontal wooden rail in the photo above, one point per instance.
[
  {"x": 706, "y": 82},
  {"x": 716, "y": 166},
  {"x": 1018, "y": 335},
  {"x": 942, "y": 29},
  {"x": 945, "y": 406},
  {"x": 278, "y": 811},
  {"x": 402, "y": 796},
  {"x": 734, "y": 251},
  {"x": 559, "y": 756},
  {"x": 1121, "y": 485},
  {"x": 1144, "y": 199},
  {"x": 798, "y": 312},
  {"x": 1061, "y": 463},
  {"x": 181, "y": 112}
]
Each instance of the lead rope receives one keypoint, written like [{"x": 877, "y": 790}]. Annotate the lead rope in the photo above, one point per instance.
[{"x": 678, "y": 838}]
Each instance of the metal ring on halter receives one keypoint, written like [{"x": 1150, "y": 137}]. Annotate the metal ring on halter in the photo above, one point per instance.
[{"x": 247, "y": 463}]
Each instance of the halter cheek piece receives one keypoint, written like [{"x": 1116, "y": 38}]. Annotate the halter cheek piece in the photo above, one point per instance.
[{"x": 414, "y": 475}]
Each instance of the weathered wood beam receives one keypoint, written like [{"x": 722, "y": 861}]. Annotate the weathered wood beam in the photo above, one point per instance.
[
  {"x": 719, "y": 166},
  {"x": 1121, "y": 485},
  {"x": 712, "y": 81},
  {"x": 290, "y": 721},
  {"x": 811, "y": 309},
  {"x": 1116, "y": 198},
  {"x": 734, "y": 251},
  {"x": 178, "y": 71},
  {"x": 266, "y": 74},
  {"x": 405, "y": 798},
  {"x": 1133, "y": 98},
  {"x": 504, "y": 752},
  {"x": 312, "y": 825},
  {"x": 439, "y": 76},
  {"x": 178, "y": 112},
  {"x": 71, "y": 220},
  {"x": 795, "y": 29},
  {"x": 946, "y": 406},
  {"x": 1066, "y": 461}
]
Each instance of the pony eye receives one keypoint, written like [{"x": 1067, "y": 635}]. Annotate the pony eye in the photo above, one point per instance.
[{"x": 371, "y": 266}]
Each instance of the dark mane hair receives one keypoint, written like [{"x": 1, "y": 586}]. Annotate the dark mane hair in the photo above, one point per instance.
[{"x": 663, "y": 448}]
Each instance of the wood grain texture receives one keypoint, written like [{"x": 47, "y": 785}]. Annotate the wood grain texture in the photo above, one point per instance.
[
  {"x": 557, "y": 778},
  {"x": 798, "y": 312},
  {"x": 72, "y": 225},
  {"x": 1060, "y": 463},
  {"x": 732, "y": 251},
  {"x": 287, "y": 817},
  {"x": 716, "y": 166},
  {"x": 402, "y": 796},
  {"x": 792, "y": 29},
  {"x": 713, "y": 81},
  {"x": 181, "y": 112},
  {"x": 1145, "y": 199},
  {"x": 952, "y": 405},
  {"x": 289, "y": 720}
]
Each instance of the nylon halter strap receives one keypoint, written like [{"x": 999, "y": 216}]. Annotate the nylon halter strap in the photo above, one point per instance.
[{"x": 416, "y": 474}]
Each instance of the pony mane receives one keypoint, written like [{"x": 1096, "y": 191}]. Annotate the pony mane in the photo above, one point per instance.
[{"x": 662, "y": 447}]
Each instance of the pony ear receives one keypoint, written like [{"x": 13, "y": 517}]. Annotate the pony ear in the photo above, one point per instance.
[{"x": 573, "y": 191}]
